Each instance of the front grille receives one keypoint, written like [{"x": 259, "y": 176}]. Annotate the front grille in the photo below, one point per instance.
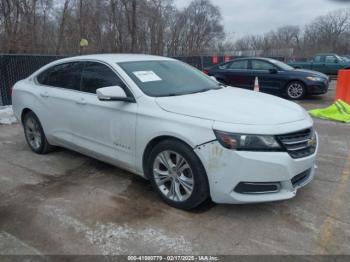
[
  {"x": 299, "y": 144},
  {"x": 301, "y": 178}
]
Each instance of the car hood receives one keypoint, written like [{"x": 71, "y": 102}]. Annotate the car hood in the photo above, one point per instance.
[
  {"x": 234, "y": 105},
  {"x": 309, "y": 73}
]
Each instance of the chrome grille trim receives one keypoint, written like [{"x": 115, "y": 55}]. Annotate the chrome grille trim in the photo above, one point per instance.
[{"x": 298, "y": 144}]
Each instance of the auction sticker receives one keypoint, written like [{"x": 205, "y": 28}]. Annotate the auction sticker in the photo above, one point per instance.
[{"x": 147, "y": 76}]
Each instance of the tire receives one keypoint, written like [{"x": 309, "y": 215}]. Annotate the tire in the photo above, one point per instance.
[
  {"x": 185, "y": 186},
  {"x": 35, "y": 135},
  {"x": 295, "y": 90}
]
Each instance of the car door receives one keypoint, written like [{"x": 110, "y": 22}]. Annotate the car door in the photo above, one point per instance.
[
  {"x": 269, "y": 79},
  {"x": 59, "y": 89},
  {"x": 237, "y": 74},
  {"x": 105, "y": 128},
  {"x": 332, "y": 65},
  {"x": 318, "y": 64}
]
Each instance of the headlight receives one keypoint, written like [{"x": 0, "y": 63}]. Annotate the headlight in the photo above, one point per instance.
[
  {"x": 247, "y": 142},
  {"x": 315, "y": 78}
]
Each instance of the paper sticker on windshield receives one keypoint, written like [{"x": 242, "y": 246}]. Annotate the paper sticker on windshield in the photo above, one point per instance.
[{"x": 147, "y": 76}]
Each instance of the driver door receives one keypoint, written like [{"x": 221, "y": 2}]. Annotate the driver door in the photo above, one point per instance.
[
  {"x": 269, "y": 82},
  {"x": 105, "y": 128}
]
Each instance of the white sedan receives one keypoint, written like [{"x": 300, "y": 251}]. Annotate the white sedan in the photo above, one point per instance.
[{"x": 192, "y": 137}]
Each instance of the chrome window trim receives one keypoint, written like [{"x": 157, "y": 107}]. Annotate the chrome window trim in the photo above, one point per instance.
[{"x": 35, "y": 80}]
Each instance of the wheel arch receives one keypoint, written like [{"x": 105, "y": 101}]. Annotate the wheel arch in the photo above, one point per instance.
[
  {"x": 153, "y": 142},
  {"x": 295, "y": 80},
  {"x": 25, "y": 111}
]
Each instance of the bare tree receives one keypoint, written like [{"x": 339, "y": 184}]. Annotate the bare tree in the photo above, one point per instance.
[{"x": 62, "y": 26}]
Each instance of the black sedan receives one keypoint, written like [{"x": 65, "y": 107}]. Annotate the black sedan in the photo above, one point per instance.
[{"x": 274, "y": 77}]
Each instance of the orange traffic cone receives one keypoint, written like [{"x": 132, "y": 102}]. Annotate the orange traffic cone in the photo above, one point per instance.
[{"x": 256, "y": 85}]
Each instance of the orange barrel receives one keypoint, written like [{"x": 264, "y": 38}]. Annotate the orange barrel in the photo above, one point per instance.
[{"x": 343, "y": 86}]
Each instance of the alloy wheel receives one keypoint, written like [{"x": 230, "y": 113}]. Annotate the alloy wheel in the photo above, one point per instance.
[
  {"x": 295, "y": 90},
  {"x": 173, "y": 176},
  {"x": 33, "y": 132}
]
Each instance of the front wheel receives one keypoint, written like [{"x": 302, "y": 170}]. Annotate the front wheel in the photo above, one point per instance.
[
  {"x": 295, "y": 90},
  {"x": 177, "y": 174}
]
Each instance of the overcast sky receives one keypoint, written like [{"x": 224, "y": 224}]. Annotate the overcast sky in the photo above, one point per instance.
[{"x": 241, "y": 17}]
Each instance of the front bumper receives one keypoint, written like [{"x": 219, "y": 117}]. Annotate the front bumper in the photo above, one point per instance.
[
  {"x": 227, "y": 168},
  {"x": 317, "y": 87}
]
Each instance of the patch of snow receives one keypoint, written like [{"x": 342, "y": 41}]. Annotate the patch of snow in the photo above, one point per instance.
[
  {"x": 113, "y": 239},
  {"x": 6, "y": 115}
]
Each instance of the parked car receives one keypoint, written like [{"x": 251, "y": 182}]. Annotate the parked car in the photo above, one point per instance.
[
  {"x": 164, "y": 120},
  {"x": 275, "y": 77},
  {"x": 325, "y": 63}
]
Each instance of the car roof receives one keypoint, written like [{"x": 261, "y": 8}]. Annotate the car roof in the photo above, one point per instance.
[
  {"x": 117, "y": 58},
  {"x": 253, "y": 58},
  {"x": 323, "y": 54}
]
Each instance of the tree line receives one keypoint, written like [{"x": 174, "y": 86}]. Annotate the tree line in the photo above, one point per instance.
[
  {"x": 148, "y": 26},
  {"x": 326, "y": 33},
  {"x": 156, "y": 27}
]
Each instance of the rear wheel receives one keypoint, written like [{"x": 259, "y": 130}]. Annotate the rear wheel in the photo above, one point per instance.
[
  {"x": 295, "y": 90},
  {"x": 177, "y": 174},
  {"x": 35, "y": 135}
]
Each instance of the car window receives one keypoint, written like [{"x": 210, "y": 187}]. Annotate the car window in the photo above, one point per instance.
[
  {"x": 65, "y": 75},
  {"x": 262, "y": 65},
  {"x": 97, "y": 75},
  {"x": 331, "y": 59},
  {"x": 242, "y": 64},
  {"x": 168, "y": 78},
  {"x": 318, "y": 59}
]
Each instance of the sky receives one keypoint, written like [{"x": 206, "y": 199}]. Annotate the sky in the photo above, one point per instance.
[{"x": 242, "y": 17}]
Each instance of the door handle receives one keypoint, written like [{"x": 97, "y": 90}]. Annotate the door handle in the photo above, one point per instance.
[
  {"x": 45, "y": 94},
  {"x": 81, "y": 101}
]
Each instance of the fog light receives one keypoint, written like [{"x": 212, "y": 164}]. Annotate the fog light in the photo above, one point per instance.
[{"x": 257, "y": 188}]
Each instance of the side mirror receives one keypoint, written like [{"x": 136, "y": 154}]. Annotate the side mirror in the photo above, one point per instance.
[
  {"x": 112, "y": 93},
  {"x": 273, "y": 71}
]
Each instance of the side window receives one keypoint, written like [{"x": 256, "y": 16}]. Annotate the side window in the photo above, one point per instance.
[
  {"x": 242, "y": 64},
  {"x": 97, "y": 75},
  {"x": 318, "y": 59},
  {"x": 66, "y": 75},
  {"x": 331, "y": 59},
  {"x": 262, "y": 65}
]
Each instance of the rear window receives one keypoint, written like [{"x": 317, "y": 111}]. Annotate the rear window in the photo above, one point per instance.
[
  {"x": 65, "y": 75},
  {"x": 241, "y": 64}
]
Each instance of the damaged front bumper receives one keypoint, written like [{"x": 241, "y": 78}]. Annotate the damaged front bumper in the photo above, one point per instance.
[{"x": 237, "y": 177}]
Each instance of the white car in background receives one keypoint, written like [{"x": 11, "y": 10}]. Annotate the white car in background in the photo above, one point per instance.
[{"x": 192, "y": 137}]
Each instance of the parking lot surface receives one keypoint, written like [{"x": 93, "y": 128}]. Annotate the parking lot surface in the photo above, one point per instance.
[{"x": 66, "y": 203}]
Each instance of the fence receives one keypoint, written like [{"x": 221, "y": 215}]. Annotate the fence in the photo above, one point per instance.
[{"x": 16, "y": 67}]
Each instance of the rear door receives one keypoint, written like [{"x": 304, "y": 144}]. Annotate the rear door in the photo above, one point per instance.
[
  {"x": 237, "y": 74},
  {"x": 269, "y": 82},
  {"x": 59, "y": 89},
  {"x": 332, "y": 65}
]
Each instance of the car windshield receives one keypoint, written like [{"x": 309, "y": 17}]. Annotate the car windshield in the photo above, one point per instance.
[
  {"x": 344, "y": 59},
  {"x": 281, "y": 65},
  {"x": 168, "y": 78}
]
